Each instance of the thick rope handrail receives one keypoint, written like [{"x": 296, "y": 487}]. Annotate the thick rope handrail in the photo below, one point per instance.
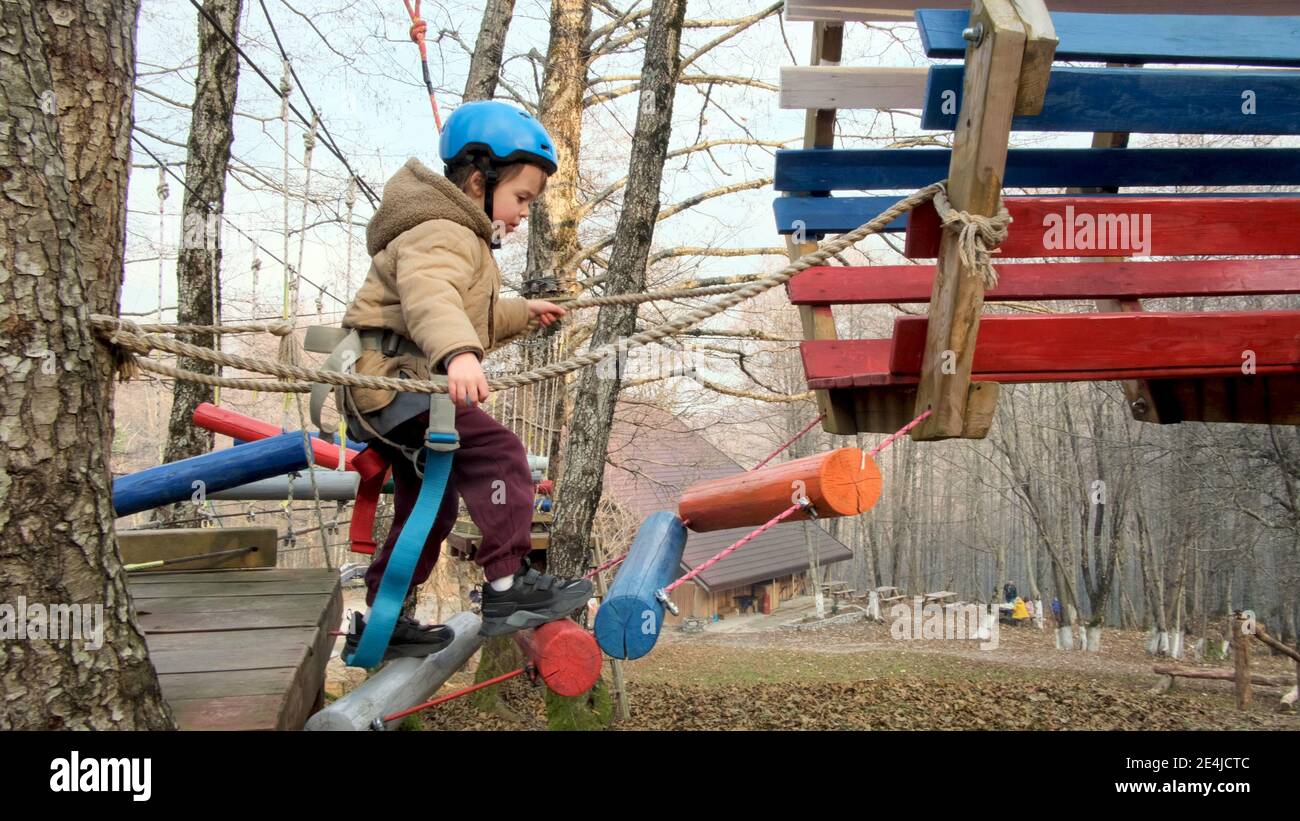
[{"x": 975, "y": 232}]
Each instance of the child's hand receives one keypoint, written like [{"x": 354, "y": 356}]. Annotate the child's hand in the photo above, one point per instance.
[
  {"x": 547, "y": 312},
  {"x": 466, "y": 383}
]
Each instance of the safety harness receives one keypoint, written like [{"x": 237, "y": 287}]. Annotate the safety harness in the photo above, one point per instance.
[{"x": 344, "y": 347}]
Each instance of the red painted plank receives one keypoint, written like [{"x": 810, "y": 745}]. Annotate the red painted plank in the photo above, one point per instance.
[
  {"x": 841, "y": 285},
  {"x": 1132, "y": 226},
  {"x": 1073, "y": 347}
]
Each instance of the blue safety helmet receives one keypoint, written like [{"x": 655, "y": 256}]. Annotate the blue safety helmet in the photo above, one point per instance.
[{"x": 498, "y": 133}]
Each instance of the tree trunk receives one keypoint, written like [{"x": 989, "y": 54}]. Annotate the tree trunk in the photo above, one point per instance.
[
  {"x": 553, "y": 223},
  {"x": 485, "y": 64},
  {"x": 67, "y": 73},
  {"x": 198, "y": 263},
  {"x": 580, "y": 492}
]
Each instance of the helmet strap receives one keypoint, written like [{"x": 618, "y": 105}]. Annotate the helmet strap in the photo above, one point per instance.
[{"x": 490, "y": 178}]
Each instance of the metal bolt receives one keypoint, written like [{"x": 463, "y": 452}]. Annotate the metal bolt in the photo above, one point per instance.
[{"x": 974, "y": 35}]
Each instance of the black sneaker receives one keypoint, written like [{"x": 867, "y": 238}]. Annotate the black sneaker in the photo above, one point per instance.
[
  {"x": 533, "y": 600},
  {"x": 410, "y": 639}
]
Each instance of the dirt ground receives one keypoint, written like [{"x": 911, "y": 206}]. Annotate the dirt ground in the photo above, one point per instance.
[{"x": 856, "y": 676}]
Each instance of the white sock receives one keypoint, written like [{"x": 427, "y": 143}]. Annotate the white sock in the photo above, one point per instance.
[{"x": 502, "y": 584}]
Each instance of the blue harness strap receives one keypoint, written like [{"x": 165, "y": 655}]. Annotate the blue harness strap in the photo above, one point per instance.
[{"x": 382, "y": 618}]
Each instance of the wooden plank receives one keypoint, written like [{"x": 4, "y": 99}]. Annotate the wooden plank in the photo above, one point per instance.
[
  {"x": 853, "y": 87},
  {"x": 174, "y": 590},
  {"x": 1260, "y": 399},
  {"x": 1033, "y": 281},
  {"x": 974, "y": 186},
  {"x": 837, "y": 215},
  {"x": 138, "y": 546},
  {"x": 224, "y": 604},
  {"x": 262, "y": 712},
  {"x": 814, "y": 216},
  {"x": 195, "y": 686},
  {"x": 209, "y": 652},
  {"x": 260, "y": 574},
  {"x": 904, "y": 169},
  {"x": 293, "y": 613},
  {"x": 1103, "y": 226},
  {"x": 1145, "y": 100},
  {"x": 902, "y": 10},
  {"x": 1040, "y": 51},
  {"x": 1220, "y": 39},
  {"x": 1070, "y": 347},
  {"x": 855, "y": 355},
  {"x": 1117, "y": 341}
]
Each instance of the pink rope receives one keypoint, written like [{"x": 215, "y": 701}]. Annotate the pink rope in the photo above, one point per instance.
[
  {"x": 893, "y": 437},
  {"x": 796, "y": 438},
  {"x": 775, "y": 520}
]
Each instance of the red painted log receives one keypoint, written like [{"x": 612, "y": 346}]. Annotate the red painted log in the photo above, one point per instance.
[
  {"x": 836, "y": 482},
  {"x": 1132, "y": 226},
  {"x": 566, "y": 656},
  {"x": 240, "y": 426}
]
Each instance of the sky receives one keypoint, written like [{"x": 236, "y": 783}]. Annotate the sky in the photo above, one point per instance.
[{"x": 361, "y": 71}]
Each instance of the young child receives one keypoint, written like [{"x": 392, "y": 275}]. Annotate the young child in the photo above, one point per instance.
[{"x": 430, "y": 304}]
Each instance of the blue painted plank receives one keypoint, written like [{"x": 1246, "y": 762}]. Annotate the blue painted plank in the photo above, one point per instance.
[
  {"x": 630, "y": 618},
  {"x": 836, "y": 215},
  {"x": 1144, "y": 101},
  {"x": 895, "y": 169},
  {"x": 821, "y": 215},
  {"x": 1142, "y": 38},
  {"x": 219, "y": 470}
]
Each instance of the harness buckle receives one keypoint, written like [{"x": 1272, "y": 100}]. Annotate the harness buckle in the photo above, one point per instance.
[{"x": 441, "y": 434}]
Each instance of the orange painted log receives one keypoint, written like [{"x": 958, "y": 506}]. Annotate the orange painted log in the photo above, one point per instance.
[{"x": 836, "y": 482}]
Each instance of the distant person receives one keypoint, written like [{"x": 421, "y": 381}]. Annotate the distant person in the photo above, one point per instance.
[
  {"x": 1056, "y": 609},
  {"x": 1009, "y": 592}
]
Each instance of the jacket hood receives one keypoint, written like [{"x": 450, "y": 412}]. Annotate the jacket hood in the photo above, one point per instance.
[{"x": 416, "y": 194}]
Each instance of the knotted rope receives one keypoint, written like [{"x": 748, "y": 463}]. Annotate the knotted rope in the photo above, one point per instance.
[{"x": 978, "y": 237}]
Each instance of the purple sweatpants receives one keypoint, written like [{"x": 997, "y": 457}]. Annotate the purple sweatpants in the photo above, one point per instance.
[{"x": 489, "y": 470}]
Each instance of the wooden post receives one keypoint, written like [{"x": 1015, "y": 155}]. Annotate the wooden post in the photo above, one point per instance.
[
  {"x": 1240, "y": 659},
  {"x": 996, "y": 63}
]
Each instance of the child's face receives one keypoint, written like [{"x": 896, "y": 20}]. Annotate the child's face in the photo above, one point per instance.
[{"x": 512, "y": 197}]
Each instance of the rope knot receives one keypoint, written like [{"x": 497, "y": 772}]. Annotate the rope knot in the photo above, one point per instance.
[
  {"x": 978, "y": 237},
  {"x": 418, "y": 29}
]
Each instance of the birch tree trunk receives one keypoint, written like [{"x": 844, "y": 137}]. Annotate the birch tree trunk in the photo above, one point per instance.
[
  {"x": 198, "y": 262},
  {"x": 66, "y": 77}
]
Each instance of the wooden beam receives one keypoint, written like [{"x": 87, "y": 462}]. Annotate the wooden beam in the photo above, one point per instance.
[
  {"x": 979, "y": 156},
  {"x": 902, "y": 10},
  {"x": 854, "y": 87},
  {"x": 1145, "y": 100},
  {"x": 141, "y": 546},
  {"x": 895, "y": 169},
  {"x": 1034, "y": 281},
  {"x": 1109, "y": 226},
  {"x": 1225, "y": 40}
]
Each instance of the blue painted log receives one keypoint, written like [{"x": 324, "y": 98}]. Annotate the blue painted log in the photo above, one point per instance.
[
  {"x": 1141, "y": 38},
  {"x": 1143, "y": 101},
  {"x": 219, "y": 470},
  {"x": 837, "y": 215},
  {"x": 904, "y": 169},
  {"x": 630, "y": 618}
]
